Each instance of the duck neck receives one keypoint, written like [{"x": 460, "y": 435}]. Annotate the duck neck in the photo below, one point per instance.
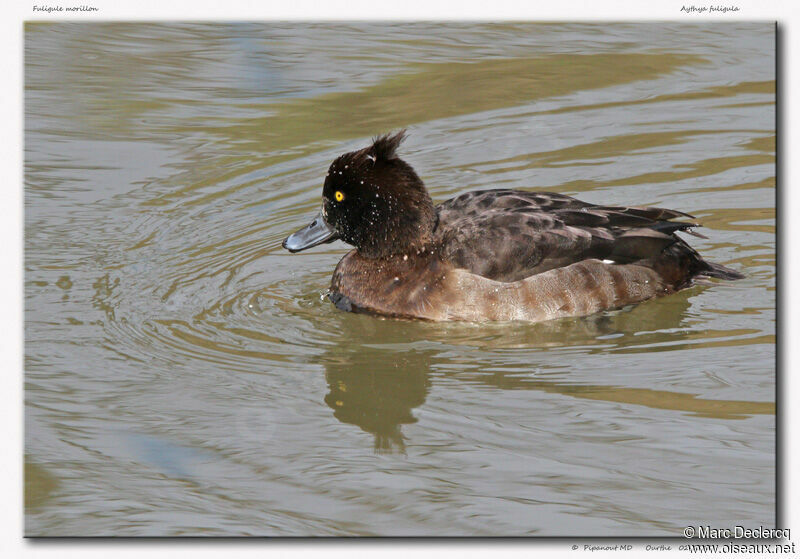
[{"x": 406, "y": 232}]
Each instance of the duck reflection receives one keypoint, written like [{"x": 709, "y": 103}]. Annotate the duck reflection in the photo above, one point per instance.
[
  {"x": 384, "y": 370},
  {"x": 378, "y": 395}
]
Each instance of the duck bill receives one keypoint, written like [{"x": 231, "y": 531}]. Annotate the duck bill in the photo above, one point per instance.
[{"x": 313, "y": 234}]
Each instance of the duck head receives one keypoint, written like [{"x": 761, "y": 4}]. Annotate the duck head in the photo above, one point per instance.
[{"x": 372, "y": 200}]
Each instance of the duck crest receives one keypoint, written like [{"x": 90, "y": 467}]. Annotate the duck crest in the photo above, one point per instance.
[{"x": 385, "y": 147}]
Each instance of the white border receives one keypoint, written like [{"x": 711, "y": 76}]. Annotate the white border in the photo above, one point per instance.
[
  {"x": 11, "y": 542},
  {"x": 409, "y": 10}
]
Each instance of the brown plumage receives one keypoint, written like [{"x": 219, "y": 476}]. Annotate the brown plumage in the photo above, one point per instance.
[{"x": 492, "y": 254}]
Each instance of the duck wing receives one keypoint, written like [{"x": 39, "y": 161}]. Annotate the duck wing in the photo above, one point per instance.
[{"x": 508, "y": 235}]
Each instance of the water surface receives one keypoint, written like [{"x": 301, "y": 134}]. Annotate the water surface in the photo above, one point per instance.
[{"x": 186, "y": 376}]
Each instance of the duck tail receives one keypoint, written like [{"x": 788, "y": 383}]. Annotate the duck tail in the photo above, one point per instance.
[
  {"x": 682, "y": 266},
  {"x": 714, "y": 270},
  {"x": 700, "y": 268}
]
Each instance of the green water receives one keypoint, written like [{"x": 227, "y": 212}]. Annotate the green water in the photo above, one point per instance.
[{"x": 186, "y": 376}]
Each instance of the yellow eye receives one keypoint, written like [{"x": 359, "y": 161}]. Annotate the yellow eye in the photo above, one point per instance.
[{"x": 339, "y": 196}]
